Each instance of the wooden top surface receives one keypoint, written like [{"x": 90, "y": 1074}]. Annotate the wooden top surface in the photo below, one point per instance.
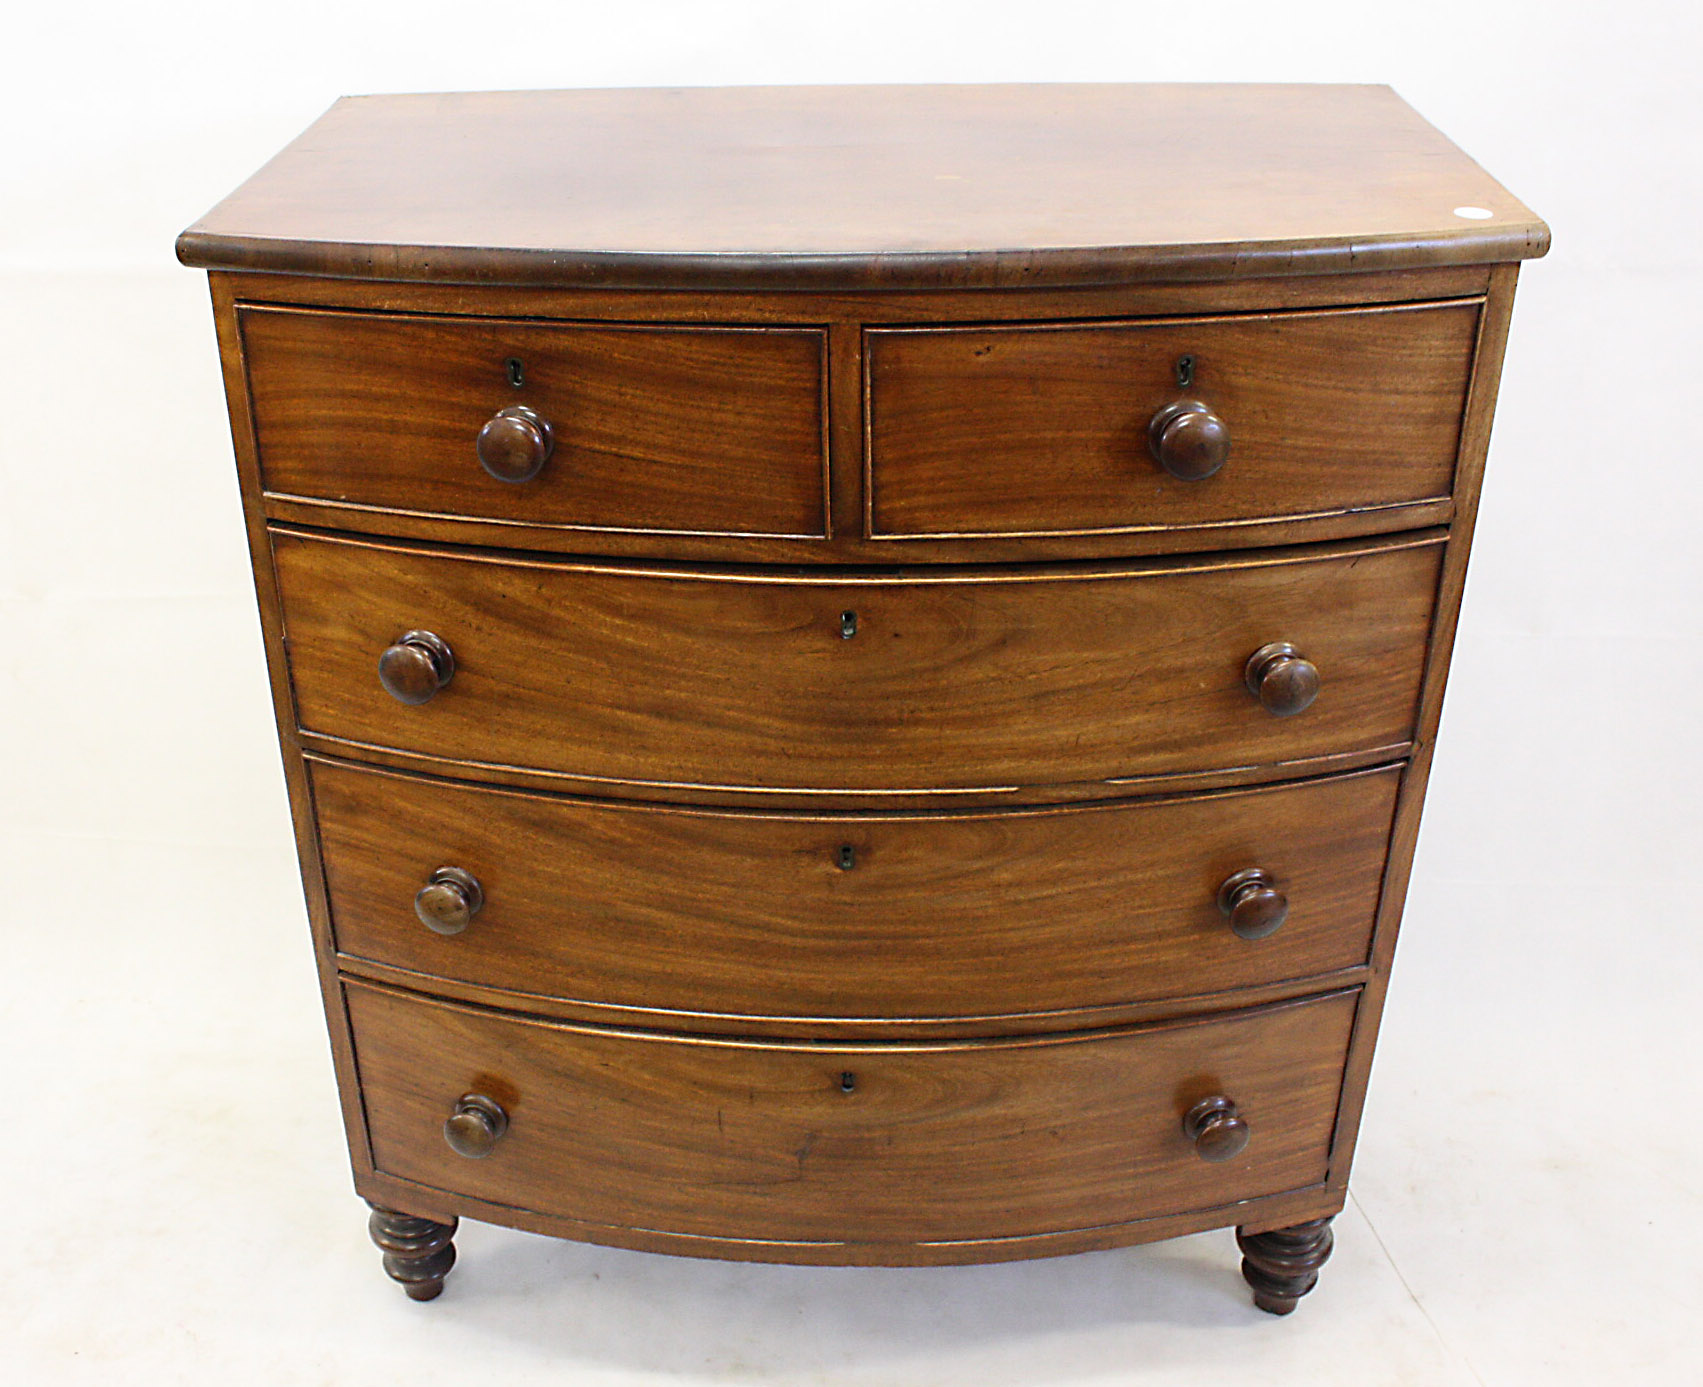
[{"x": 865, "y": 187}]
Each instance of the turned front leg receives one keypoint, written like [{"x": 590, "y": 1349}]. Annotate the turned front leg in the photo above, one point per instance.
[
  {"x": 1283, "y": 1265},
  {"x": 418, "y": 1252}
]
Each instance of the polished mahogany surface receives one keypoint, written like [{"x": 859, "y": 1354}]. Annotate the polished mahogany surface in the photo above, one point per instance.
[
  {"x": 857, "y": 667},
  {"x": 850, "y": 187}
]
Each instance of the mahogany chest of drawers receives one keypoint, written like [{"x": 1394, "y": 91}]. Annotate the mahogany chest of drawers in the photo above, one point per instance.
[{"x": 857, "y": 666}]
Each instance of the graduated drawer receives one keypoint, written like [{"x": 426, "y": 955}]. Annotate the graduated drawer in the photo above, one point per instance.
[
  {"x": 987, "y": 679},
  {"x": 1043, "y": 429},
  {"x": 848, "y": 1144},
  {"x": 820, "y": 916},
  {"x": 661, "y": 429}
]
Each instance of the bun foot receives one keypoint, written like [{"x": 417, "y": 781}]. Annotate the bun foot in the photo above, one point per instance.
[
  {"x": 1283, "y": 1265},
  {"x": 418, "y": 1252}
]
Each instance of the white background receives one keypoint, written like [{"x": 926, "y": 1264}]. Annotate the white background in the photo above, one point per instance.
[{"x": 1526, "y": 1199}]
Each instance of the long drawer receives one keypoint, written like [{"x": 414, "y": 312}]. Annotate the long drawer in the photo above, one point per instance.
[
  {"x": 878, "y": 1143},
  {"x": 696, "y": 912},
  {"x": 888, "y": 681}
]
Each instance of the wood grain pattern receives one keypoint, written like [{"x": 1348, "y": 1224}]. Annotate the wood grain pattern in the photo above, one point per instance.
[
  {"x": 1275, "y": 1210},
  {"x": 813, "y": 1028},
  {"x": 765, "y": 1141},
  {"x": 978, "y": 678},
  {"x": 656, "y": 429},
  {"x": 1475, "y": 445},
  {"x": 859, "y": 801},
  {"x": 924, "y": 186},
  {"x": 781, "y": 307},
  {"x": 926, "y": 1087},
  {"x": 846, "y": 316},
  {"x": 305, "y": 833},
  {"x": 1043, "y": 429},
  {"x": 939, "y": 915}
]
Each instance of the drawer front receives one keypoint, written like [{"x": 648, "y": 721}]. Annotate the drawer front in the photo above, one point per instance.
[
  {"x": 846, "y": 1143},
  {"x": 1044, "y": 429},
  {"x": 814, "y": 917},
  {"x": 653, "y": 429},
  {"x": 993, "y": 679}
]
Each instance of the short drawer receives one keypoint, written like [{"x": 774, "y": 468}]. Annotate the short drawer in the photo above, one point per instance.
[
  {"x": 1044, "y": 429},
  {"x": 846, "y": 1144},
  {"x": 652, "y": 429},
  {"x": 813, "y": 917},
  {"x": 989, "y": 679}
]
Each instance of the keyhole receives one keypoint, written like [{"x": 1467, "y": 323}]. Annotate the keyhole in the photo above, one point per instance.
[
  {"x": 515, "y": 372},
  {"x": 1185, "y": 370},
  {"x": 848, "y": 1081},
  {"x": 846, "y": 857},
  {"x": 848, "y": 625}
]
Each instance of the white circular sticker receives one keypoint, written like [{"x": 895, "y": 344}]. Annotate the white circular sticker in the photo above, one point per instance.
[{"x": 1474, "y": 214}]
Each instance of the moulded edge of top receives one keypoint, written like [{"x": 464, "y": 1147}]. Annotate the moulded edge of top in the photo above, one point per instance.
[{"x": 999, "y": 269}]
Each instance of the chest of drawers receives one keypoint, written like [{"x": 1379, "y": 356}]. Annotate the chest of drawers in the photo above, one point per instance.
[{"x": 856, "y": 667}]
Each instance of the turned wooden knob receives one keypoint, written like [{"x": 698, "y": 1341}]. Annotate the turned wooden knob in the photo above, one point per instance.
[
  {"x": 476, "y": 1126},
  {"x": 515, "y": 444},
  {"x": 1282, "y": 679},
  {"x": 1253, "y": 903},
  {"x": 416, "y": 666},
  {"x": 449, "y": 900},
  {"x": 1189, "y": 440},
  {"x": 1217, "y": 1130}
]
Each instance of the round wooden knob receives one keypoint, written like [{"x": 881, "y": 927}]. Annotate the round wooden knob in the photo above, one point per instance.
[
  {"x": 515, "y": 444},
  {"x": 1217, "y": 1130},
  {"x": 1254, "y": 905},
  {"x": 449, "y": 900},
  {"x": 415, "y": 667},
  {"x": 1281, "y": 679},
  {"x": 1189, "y": 440},
  {"x": 476, "y": 1126}
]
